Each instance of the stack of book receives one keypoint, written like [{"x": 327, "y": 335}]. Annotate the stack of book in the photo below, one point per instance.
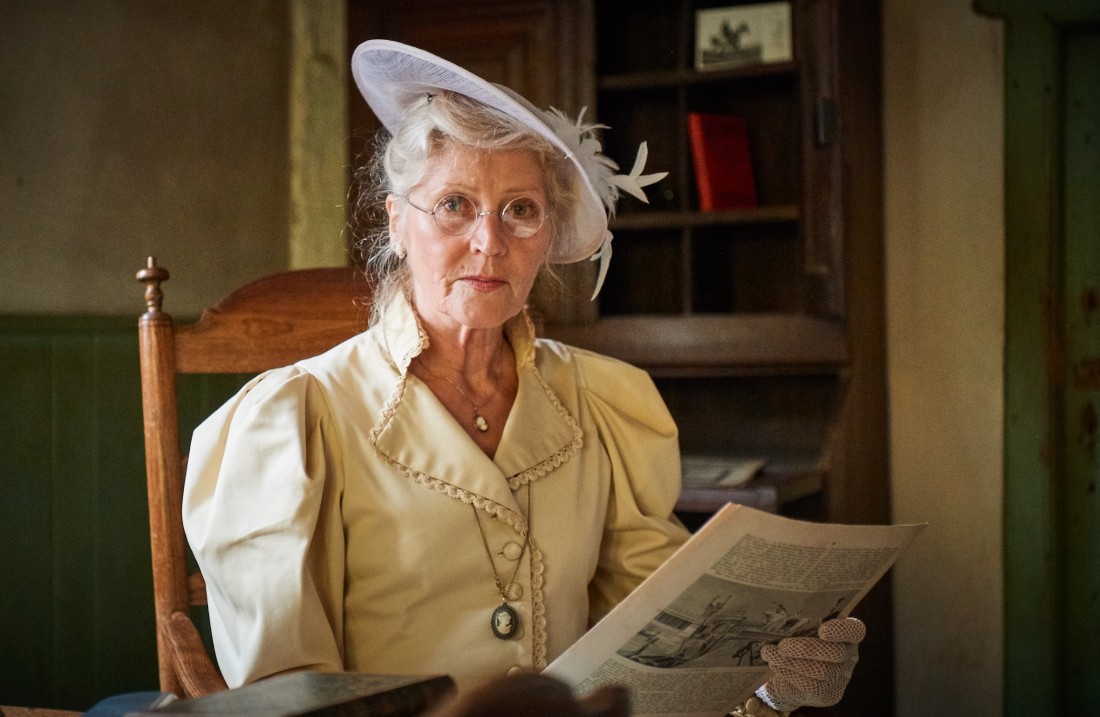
[{"x": 318, "y": 694}]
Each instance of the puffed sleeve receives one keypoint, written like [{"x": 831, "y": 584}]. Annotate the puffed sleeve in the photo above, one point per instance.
[
  {"x": 641, "y": 442},
  {"x": 261, "y": 512}
]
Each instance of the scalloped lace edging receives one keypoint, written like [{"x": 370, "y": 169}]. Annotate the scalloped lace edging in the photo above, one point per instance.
[
  {"x": 538, "y": 610},
  {"x": 559, "y": 456}
]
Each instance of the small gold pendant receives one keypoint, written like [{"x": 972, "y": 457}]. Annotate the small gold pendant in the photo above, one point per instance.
[
  {"x": 480, "y": 423},
  {"x": 505, "y": 622}
]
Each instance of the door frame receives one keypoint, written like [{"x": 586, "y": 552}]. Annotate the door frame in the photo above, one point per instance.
[{"x": 1036, "y": 571}]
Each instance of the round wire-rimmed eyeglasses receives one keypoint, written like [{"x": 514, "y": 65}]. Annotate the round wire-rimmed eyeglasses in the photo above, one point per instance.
[{"x": 521, "y": 217}]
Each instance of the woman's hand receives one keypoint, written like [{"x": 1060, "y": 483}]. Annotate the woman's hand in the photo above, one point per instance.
[{"x": 812, "y": 671}]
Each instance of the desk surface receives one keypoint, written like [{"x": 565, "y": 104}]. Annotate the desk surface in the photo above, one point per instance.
[
  {"x": 6, "y": 711},
  {"x": 766, "y": 492}
]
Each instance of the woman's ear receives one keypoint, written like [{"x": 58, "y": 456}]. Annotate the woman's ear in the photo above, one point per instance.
[{"x": 395, "y": 216}]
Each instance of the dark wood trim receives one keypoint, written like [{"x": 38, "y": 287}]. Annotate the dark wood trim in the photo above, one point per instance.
[{"x": 700, "y": 344}]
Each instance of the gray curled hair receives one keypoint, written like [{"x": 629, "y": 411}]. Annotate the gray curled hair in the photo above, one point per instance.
[{"x": 399, "y": 162}]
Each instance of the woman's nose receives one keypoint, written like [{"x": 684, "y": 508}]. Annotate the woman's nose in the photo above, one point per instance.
[{"x": 489, "y": 236}]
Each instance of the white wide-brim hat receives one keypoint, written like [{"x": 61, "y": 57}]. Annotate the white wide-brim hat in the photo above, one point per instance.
[{"x": 391, "y": 76}]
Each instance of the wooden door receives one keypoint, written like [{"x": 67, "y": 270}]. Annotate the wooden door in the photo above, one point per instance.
[
  {"x": 1052, "y": 355},
  {"x": 1080, "y": 430}
]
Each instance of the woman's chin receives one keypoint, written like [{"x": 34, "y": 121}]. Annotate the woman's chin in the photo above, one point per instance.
[{"x": 485, "y": 312}]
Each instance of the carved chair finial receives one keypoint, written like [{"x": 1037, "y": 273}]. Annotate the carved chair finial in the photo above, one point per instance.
[{"x": 152, "y": 276}]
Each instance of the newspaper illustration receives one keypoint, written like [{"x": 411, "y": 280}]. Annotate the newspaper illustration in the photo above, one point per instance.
[{"x": 687, "y": 641}]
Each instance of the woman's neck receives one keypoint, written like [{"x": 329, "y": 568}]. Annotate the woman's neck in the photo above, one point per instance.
[
  {"x": 473, "y": 373},
  {"x": 474, "y": 354}
]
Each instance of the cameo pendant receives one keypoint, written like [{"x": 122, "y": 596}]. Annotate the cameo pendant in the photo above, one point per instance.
[{"x": 505, "y": 622}]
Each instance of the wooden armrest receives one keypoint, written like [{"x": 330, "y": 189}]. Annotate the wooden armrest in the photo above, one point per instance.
[{"x": 196, "y": 672}]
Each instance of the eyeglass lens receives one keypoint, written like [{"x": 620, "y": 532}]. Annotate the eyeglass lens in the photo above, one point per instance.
[{"x": 457, "y": 214}]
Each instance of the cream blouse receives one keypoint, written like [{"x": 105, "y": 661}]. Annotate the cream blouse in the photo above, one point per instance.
[{"x": 330, "y": 506}]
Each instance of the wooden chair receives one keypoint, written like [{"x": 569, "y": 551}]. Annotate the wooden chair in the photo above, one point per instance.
[{"x": 268, "y": 323}]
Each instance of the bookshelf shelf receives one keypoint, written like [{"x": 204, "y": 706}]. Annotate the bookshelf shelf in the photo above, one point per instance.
[
  {"x": 774, "y": 214},
  {"x": 654, "y": 79},
  {"x": 702, "y": 345}
]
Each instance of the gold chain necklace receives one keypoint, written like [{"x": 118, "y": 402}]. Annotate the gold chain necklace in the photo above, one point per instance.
[
  {"x": 504, "y": 621},
  {"x": 480, "y": 423}
]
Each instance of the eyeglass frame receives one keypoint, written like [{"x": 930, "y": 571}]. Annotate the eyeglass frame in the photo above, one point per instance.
[{"x": 477, "y": 217}]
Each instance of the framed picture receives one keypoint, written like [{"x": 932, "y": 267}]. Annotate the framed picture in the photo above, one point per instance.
[{"x": 743, "y": 35}]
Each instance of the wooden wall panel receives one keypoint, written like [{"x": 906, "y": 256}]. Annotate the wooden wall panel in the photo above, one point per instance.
[
  {"x": 76, "y": 617},
  {"x": 25, "y": 515},
  {"x": 74, "y": 483}
]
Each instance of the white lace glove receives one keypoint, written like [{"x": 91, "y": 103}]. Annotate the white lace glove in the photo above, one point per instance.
[{"x": 812, "y": 671}]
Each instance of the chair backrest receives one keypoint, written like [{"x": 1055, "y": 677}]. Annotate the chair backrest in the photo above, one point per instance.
[{"x": 268, "y": 323}]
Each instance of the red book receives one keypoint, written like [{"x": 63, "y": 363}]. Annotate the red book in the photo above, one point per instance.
[{"x": 723, "y": 163}]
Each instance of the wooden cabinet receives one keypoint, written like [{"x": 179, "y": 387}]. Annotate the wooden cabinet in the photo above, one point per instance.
[
  {"x": 742, "y": 316},
  {"x": 777, "y": 257}
]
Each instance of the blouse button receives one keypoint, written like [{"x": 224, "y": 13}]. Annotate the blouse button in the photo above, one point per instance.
[
  {"x": 515, "y": 591},
  {"x": 515, "y": 670},
  {"x": 512, "y": 551}
]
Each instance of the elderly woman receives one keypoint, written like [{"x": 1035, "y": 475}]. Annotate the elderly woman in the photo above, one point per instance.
[{"x": 443, "y": 493}]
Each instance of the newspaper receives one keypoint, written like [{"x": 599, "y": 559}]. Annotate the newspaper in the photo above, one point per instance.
[{"x": 687, "y": 641}]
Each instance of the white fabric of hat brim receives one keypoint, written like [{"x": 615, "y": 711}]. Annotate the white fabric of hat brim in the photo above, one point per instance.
[{"x": 390, "y": 75}]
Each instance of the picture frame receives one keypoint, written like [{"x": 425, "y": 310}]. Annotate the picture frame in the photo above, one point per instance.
[{"x": 741, "y": 35}]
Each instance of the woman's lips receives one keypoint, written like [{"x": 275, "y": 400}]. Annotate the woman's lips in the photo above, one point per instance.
[{"x": 483, "y": 283}]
